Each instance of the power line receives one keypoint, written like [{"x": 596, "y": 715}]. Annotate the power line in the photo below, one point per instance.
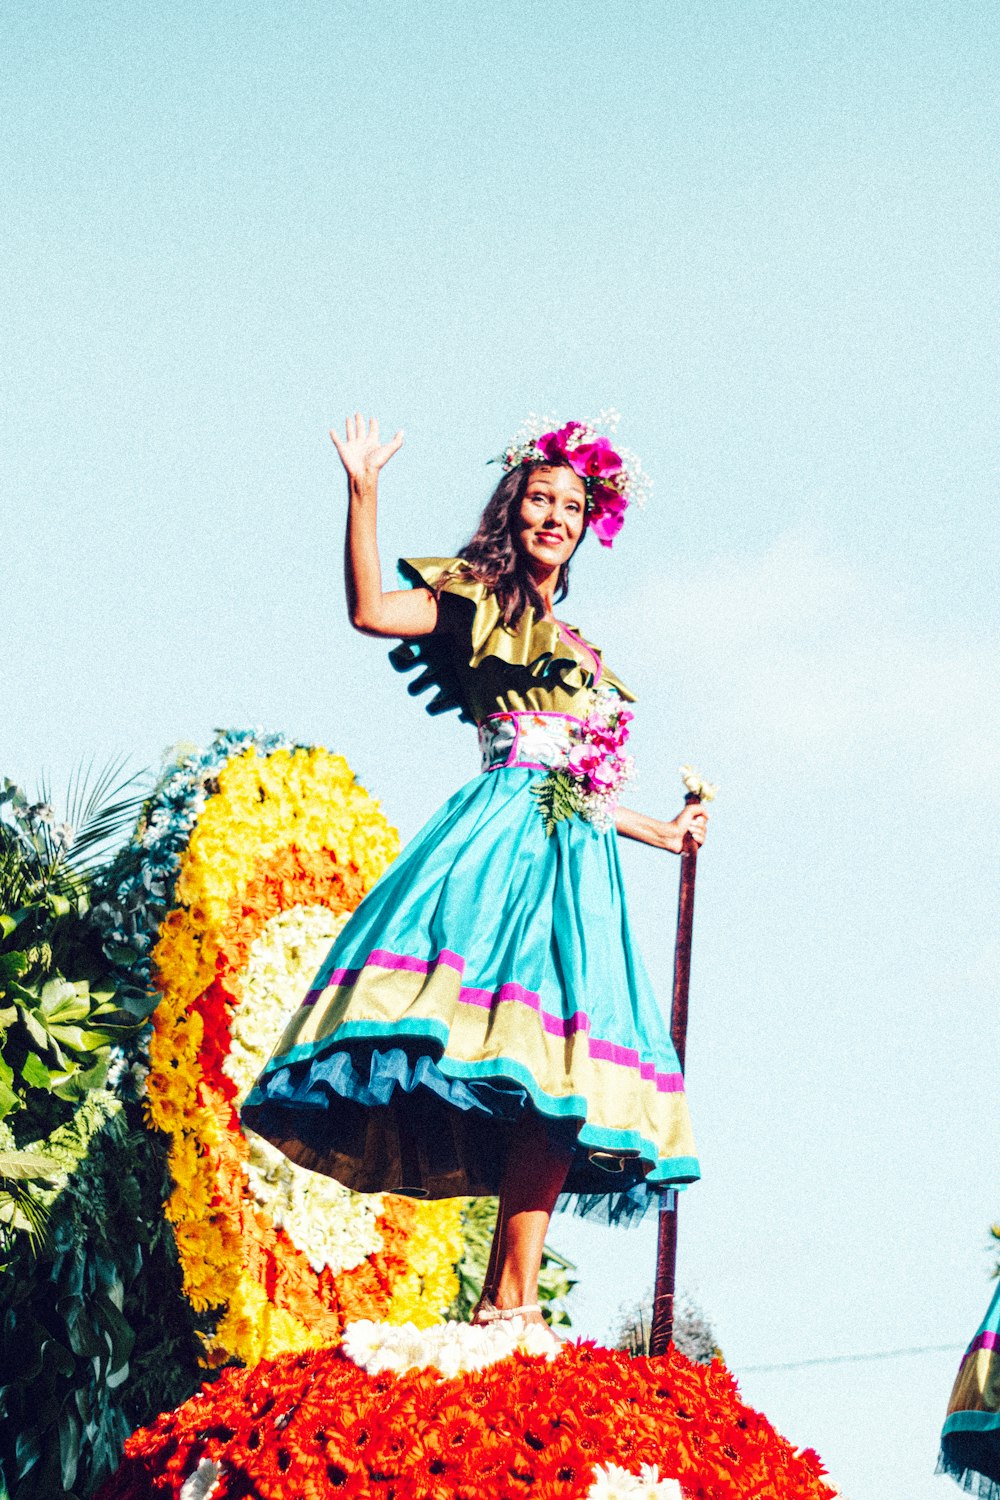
[{"x": 850, "y": 1359}]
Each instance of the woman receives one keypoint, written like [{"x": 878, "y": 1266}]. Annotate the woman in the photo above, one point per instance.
[
  {"x": 970, "y": 1441},
  {"x": 483, "y": 1023}
]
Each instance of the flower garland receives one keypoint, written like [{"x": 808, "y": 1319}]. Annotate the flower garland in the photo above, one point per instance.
[
  {"x": 316, "y": 1425},
  {"x": 258, "y": 854},
  {"x": 613, "y": 479},
  {"x": 450, "y": 1348}
]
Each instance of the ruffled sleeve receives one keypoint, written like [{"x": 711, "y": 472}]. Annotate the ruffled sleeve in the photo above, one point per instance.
[
  {"x": 435, "y": 655},
  {"x": 472, "y": 656}
]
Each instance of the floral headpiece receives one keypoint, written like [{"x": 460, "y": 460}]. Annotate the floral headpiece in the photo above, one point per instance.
[{"x": 614, "y": 479}]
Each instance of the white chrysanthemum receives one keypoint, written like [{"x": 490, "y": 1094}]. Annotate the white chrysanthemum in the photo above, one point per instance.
[
  {"x": 283, "y": 961},
  {"x": 202, "y": 1482},
  {"x": 611, "y": 1482},
  {"x": 331, "y": 1226},
  {"x": 614, "y": 1483},
  {"x": 666, "y": 1489},
  {"x": 450, "y": 1348}
]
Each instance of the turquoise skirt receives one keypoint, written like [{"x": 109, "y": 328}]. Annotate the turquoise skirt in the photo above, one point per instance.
[
  {"x": 489, "y": 974},
  {"x": 970, "y": 1441}
]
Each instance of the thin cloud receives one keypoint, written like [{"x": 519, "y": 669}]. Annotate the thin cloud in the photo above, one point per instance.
[{"x": 795, "y": 653}]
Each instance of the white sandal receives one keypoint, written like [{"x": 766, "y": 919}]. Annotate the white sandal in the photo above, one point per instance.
[{"x": 486, "y": 1311}]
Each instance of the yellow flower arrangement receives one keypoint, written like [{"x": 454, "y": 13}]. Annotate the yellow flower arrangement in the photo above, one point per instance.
[{"x": 283, "y": 847}]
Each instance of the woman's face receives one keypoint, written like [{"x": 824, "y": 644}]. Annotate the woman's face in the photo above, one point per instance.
[{"x": 553, "y": 511}]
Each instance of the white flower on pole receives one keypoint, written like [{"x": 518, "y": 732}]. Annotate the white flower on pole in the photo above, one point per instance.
[{"x": 696, "y": 784}]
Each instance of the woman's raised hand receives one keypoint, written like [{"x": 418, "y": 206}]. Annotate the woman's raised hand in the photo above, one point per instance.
[{"x": 361, "y": 452}]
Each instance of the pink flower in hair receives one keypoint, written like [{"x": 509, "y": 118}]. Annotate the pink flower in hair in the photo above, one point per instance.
[
  {"x": 596, "y": 460},
  {"x": 614, "y": 480},
  {"x": 554, "y": 445},
  {"x": 606, "y": 524}
]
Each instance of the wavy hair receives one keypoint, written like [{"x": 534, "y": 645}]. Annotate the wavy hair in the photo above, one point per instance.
[{"x": 493, "y": 556}]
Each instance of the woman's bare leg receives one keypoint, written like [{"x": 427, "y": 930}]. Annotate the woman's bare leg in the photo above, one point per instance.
[{"x": 533, "y": 1178}]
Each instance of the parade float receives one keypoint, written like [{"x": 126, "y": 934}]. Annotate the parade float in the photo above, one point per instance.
[{"x": 190, "y": 1315}]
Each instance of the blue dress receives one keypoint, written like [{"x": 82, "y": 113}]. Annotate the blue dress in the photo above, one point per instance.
[{"x": 491, "y": 970}]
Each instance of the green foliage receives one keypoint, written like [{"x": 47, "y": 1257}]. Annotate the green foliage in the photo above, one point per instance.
[
  {"x": 56, "y": 1032},
  {"x": 556, "y": 796},
  {"x": 22, "y": 1173},
  {"x": 96, "y": 1335},
  {"x": 555, "y": 1282}
]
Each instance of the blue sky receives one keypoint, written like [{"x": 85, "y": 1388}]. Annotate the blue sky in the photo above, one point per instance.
[{"x": 767, "y": 234}]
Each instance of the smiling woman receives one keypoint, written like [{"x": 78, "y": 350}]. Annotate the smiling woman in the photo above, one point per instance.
[{"x": 483, "y": 1022}]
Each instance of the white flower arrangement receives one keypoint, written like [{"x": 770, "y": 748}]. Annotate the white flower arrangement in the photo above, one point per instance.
[
  {"x": 614, "y": 1483},
  {"x": 450, "y": 1348},
  {"x": 332, "y": 1227}
]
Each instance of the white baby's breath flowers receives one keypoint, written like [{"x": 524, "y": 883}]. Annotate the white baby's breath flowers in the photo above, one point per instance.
[
  {"x": 696, "y": 784},
  {"x": 450, "y": 1348},
  {"x": 640, "y": 484}
]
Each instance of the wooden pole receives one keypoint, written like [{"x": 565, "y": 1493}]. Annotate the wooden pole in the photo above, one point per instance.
[{"x": 662, "y": 1328}]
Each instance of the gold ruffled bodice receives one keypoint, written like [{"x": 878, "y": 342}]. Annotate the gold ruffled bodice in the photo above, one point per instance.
[{"x": 480, "y": 666}]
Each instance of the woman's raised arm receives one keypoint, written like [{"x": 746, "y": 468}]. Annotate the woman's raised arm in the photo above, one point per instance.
[{"x": 401, "y": 612}]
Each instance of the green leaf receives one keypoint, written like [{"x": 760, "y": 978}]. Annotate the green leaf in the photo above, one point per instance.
[
  {"x": 69, "y": 1446},
  {"x": 34, "y": 1072},
  {"x": 81, "y": 1326},
  {"x": 21, "y": 1166},
  {"x": 9, "y": 1101},
  {"x": 58, "y": 1355},
  {"x": 13, "y": 965},
  {"x": 10, "y": 920},
  {"x": 78, "y": 1039},
  {"x": 556, "y": 797},
  {"x": 37, "y": 1032},
  {"x": 61, "y": 1001}
]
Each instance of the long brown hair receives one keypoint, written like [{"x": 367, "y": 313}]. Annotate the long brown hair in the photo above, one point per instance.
[{"x": 494, "y": 557}]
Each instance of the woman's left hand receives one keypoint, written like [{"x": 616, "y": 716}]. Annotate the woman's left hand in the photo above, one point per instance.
[{"x": 692, "y": 819}]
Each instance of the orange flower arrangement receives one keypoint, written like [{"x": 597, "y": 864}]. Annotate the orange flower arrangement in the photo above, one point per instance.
[{"x": 317, "y": 1426}]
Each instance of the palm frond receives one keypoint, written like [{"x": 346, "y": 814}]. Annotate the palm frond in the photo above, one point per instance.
[
  {"x": 21, "y": 1213},
  {"x": 22, "y": 1173},
  {"x": 98, "y": 814}
]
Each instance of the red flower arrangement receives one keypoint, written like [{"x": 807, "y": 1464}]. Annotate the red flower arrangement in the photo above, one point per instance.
[{"x": 314, "y": 1426}]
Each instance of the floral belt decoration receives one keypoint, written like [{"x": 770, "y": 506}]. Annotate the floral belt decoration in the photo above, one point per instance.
[{"x": 585, "y": 758}]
